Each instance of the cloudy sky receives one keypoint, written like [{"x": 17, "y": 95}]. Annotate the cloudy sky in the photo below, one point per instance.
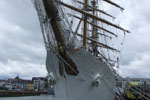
[
  {"x": 21, "y": 46},
  {"x": 135, "y": 58},
  {"x": 22, "y": 50}
]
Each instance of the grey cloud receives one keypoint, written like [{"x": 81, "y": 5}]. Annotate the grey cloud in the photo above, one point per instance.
[
  {"x": 138, "y": 67},
  {"x": 136, "y": 46},
  {"x": 21, "y": 44},
  {"x": 26, "y": 70}
]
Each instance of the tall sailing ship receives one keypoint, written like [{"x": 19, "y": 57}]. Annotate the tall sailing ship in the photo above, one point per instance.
[{"x": 81, "y": 41}]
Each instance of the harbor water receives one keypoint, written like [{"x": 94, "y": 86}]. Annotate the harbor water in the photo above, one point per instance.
[{"x": 42, "y": 97}]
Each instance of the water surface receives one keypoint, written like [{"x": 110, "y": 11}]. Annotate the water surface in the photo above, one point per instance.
[{"x": 42, "y": 97}]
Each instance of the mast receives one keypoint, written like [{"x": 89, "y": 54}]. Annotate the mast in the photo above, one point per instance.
[
  {"x": 91, "y": 11},
  {"x": 114, "y": 4},
  {"x": 92, "y": 16},
  {"x": 90, "y": 34},
  {"x": 99, "y": 27},
  {"x": 96, "y": 9},
  {"x": 52, "y": 14},
  {"x": 94, "y": 29},
  {"x": 85, "y": 24}
]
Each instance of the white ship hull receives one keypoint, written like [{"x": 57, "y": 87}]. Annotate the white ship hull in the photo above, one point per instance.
[{"x": 82, "y": 87}]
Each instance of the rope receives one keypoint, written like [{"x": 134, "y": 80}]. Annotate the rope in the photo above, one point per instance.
[
  {"x": 65, "y": 83},
  {"x": 140, "y": 93},
  {"x": 135, "y": 90}
]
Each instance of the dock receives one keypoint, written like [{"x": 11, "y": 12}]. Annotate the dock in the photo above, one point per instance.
[{"x": 21, "y": 93}]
